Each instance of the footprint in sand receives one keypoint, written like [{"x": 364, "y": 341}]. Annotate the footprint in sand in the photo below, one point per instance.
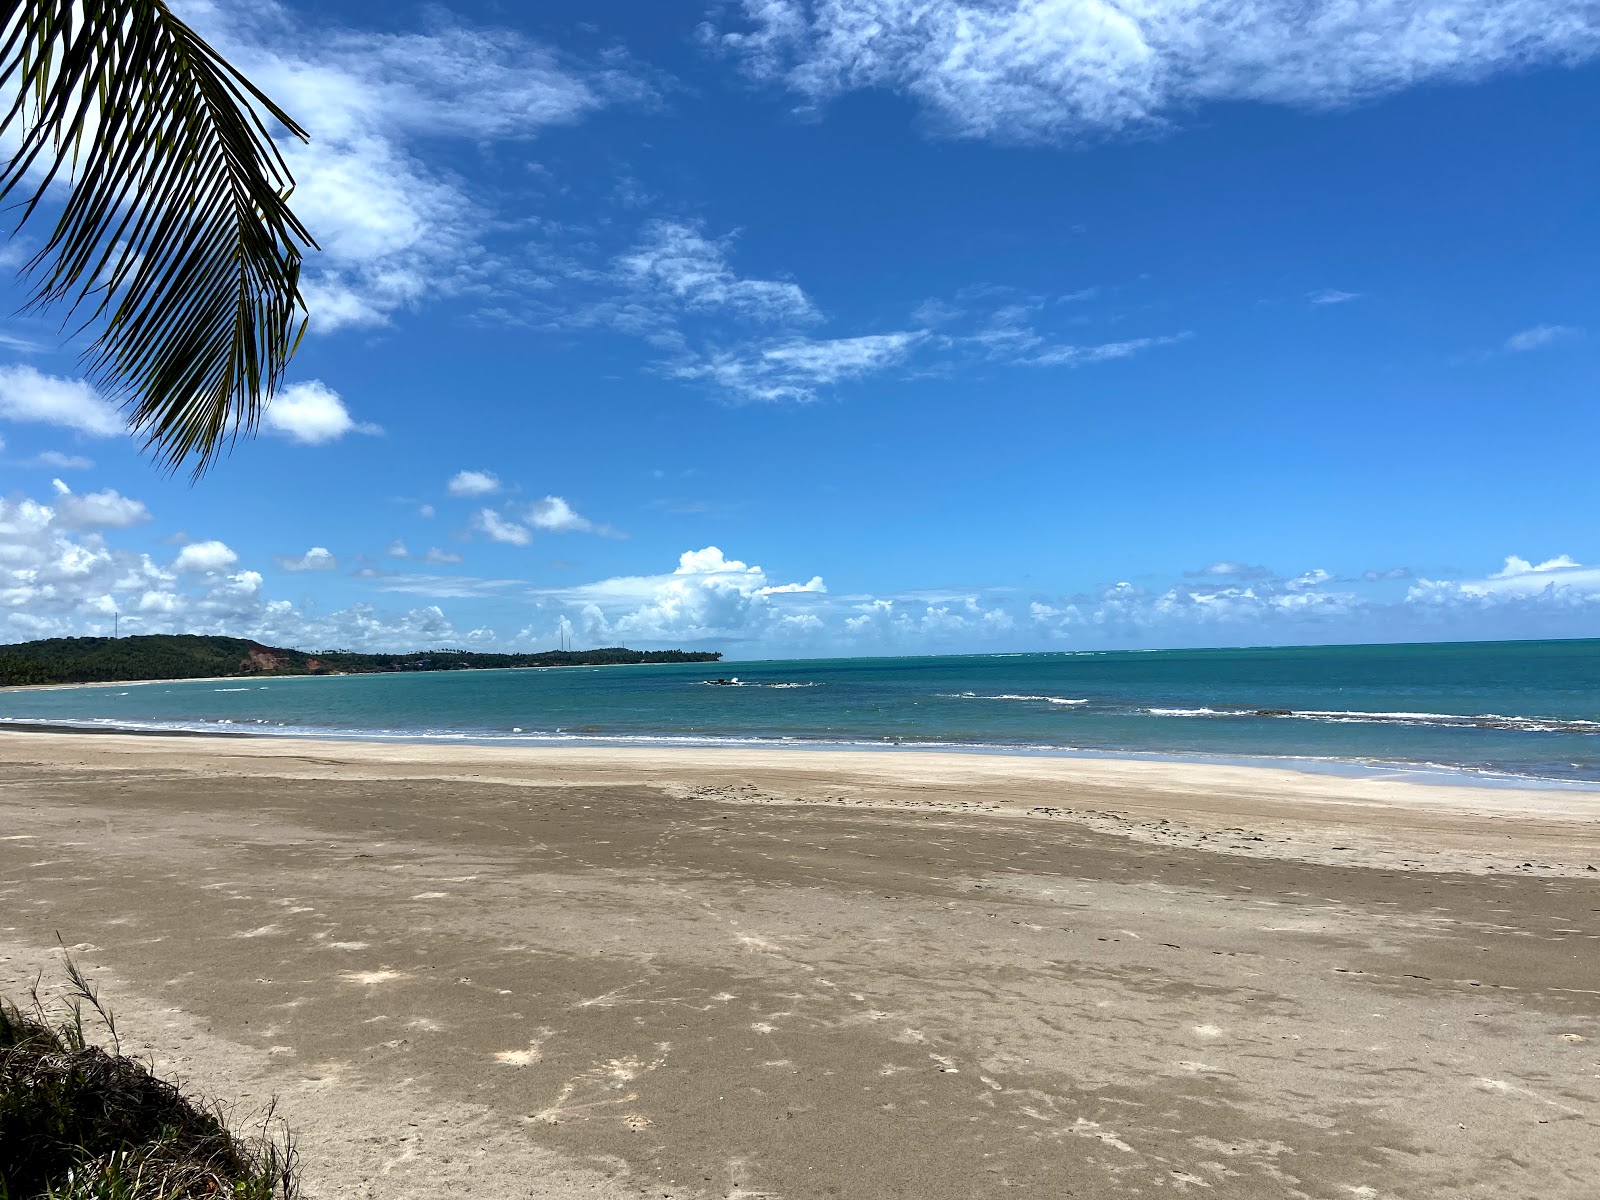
[
  {"x": 599, "y": 1091},
  {"x": 525, "y": 1058},
  {"x": 368, "y": 978}
]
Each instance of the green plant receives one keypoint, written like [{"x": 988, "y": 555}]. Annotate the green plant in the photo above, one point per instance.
[
  {"x": 79, "y": 1121},
  {"x": 175, "y": 238}
]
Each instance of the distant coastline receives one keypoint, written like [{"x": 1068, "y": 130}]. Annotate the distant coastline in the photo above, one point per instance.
[{"x": 167, "y": 658}]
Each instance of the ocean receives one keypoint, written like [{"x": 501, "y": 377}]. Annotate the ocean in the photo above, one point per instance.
[{"x": 1512, "y": 711}]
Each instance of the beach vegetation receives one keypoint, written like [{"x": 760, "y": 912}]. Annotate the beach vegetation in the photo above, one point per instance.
[{"x": 82, "y": 1120}]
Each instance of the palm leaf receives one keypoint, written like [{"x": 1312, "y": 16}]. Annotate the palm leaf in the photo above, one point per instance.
[{"x": 176, "y": 237}]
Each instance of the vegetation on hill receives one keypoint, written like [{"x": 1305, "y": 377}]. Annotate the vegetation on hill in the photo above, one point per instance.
[{"x": 189, "y": 656}]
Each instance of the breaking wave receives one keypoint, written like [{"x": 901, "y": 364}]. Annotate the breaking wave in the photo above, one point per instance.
[
  {"x": 1064, "y": 700},
  {"x": 1434, "y": 720}
]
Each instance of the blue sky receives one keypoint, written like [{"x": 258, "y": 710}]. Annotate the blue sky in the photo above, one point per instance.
[{"x": 865, "y": 326}]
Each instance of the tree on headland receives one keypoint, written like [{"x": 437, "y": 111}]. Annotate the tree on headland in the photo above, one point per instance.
[{"x": 175, "y": 241}]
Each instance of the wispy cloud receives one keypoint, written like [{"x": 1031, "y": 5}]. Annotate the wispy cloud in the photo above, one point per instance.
[
  {"x": 395, "y": 227},
  {"x": 1332, "y": 296},
  {"x": 675, "y": 265},
  {"x": 1540, "y": 336},
  {"x": 57, "y": 461},
  {"x": 1032, "y": 70},
  {"x": 794, "y": 369},
  {"x": 318, "y": 558}
]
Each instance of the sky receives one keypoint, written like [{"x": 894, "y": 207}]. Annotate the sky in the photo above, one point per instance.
[{"x": 793, "y": 328}]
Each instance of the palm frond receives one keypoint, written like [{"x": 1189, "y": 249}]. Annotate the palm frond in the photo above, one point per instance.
[{"x": 175, "y": 239}]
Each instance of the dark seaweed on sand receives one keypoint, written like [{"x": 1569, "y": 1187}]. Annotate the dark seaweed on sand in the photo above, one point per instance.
[{"x": 83, "y": 1122}]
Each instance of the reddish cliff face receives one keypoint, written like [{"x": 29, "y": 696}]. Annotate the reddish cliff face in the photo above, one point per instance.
[{"x": 263, "y": 658}]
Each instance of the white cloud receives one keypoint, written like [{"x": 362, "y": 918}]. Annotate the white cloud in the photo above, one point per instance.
[
  {"x": 200, "y": 558},
  {"x": 27, "y": 394},
  {"x": 470, "y": 483},
  {"x": 1031, "y": 70},
  {"x": 707, "y": 596},
  {"x": 677, "y": 264},
  {"x": 1332, "y": 296},
  {"x": 1541, "y": 336},
  {"x": 1074, "y": 356},
  {"x": 557, "y": 516},
  {"x": 500, "y": 529},
  {"x": 107, "y": 509},
  {"x": 311, "y": 414},
  {"x": 59, "y": 580},
  {"x": 58, "y": 461},
  {"x": 318, "y": 558},
  {"x": 1522, "y": 591},
  {"x": 433, "y": 555},
  {"x": 394, "y": 228},
  {"x": 1226, "y": 569},
  {"x": 796, "y": 368},
  {"x": 1517, "y": 565}
]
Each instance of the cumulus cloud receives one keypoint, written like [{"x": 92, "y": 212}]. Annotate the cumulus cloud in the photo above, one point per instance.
[
  {"x": 1042, "y": 70},
  {"x": 318, "y": 558},
  {"x": 107, "y": 509},
  {"x": 1540, "y": 336},
  {"x": 311, "y": 414},
  {"x": 707, "y": 596},
  {"x": 1532, "y": 594},
  {"x": 1517, "y": 565},
  {"x": 202, "y": 558},
  {"x": 471, "y": 483},
  {"x": 393, "y": 227},
  {"x": 59, "y": 577},
  {"x": 555, "y": 515},
  {"x": 499, "y": 529},
  {"x": 27, "y": 394}
]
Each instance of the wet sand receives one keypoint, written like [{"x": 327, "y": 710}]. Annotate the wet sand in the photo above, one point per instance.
[{"x": 695, "y": 973}]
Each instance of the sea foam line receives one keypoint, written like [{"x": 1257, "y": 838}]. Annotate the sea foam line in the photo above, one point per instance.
[
  {"x": 1493, "y": 721},
  {"x": 1064, "y": 700}
]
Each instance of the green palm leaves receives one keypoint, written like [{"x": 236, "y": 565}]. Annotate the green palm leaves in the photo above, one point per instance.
[{"x": 175, "y": 240}]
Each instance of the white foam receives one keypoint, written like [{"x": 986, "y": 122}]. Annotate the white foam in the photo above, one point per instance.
[{"x": 1064, "y": 700}]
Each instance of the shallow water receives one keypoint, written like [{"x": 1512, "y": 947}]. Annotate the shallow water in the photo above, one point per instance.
[{"x": 1495, "y": 709}]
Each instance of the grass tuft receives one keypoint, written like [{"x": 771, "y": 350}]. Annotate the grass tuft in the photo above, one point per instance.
[{"x": 81, "y": 1121}]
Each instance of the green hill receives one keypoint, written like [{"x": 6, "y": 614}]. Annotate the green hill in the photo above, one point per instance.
[{"x": 189, "y": 656}]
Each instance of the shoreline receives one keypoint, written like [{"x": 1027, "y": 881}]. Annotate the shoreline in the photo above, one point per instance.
[
  {"x": 1423, "y": 774},
  {"x": 1375, "y": 817},
  {"x": 109, "y": 683},
  {"x": 708, "y": 973}
]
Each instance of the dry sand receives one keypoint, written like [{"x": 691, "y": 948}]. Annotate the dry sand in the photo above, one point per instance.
[{"x": 693, "y": 973}]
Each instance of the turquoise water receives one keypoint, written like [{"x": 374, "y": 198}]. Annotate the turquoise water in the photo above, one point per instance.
[{"x": 1519, "y": 709}]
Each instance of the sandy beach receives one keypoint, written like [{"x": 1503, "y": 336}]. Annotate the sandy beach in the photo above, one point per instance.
[{"x": 737, "y": 973}]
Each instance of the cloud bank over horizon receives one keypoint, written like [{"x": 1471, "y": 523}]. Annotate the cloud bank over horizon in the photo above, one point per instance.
[{"x": 62, "y": 573}]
